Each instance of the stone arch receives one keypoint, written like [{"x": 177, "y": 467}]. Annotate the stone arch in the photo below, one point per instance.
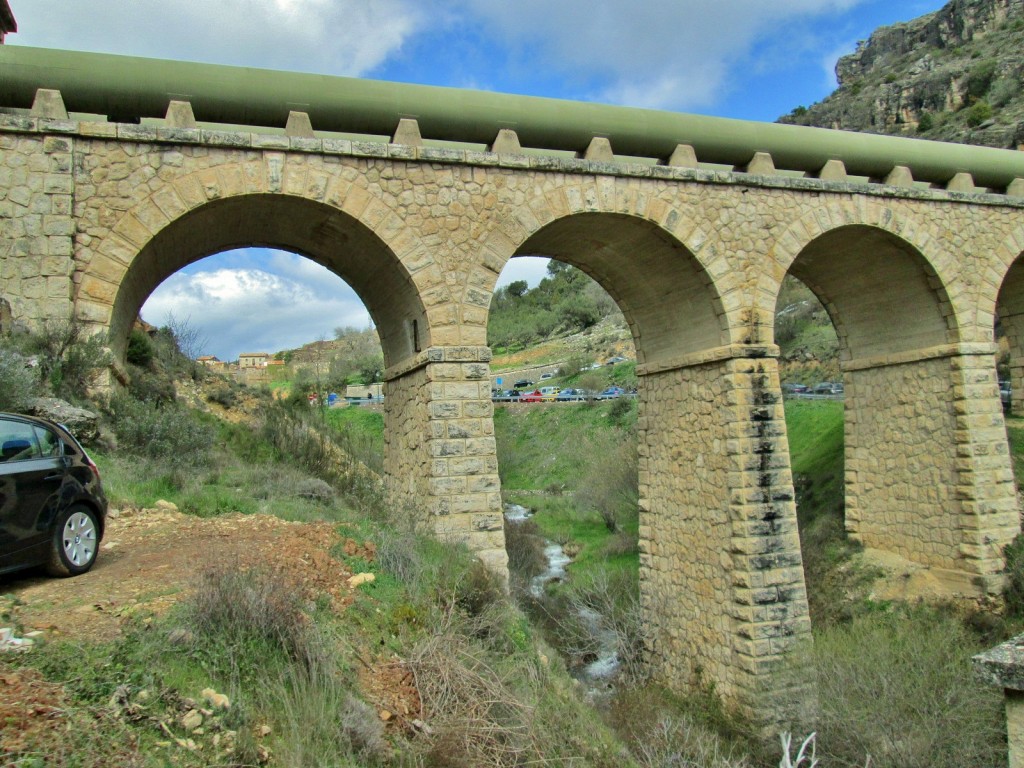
[
  {"x": 1007, "y": 303},
  {"x": 920, "y": 395},
  {"x": 328, "y": 219},
  {"x": 648, "y": 255},
  {"x": 895, "y": 302},
  {"x": 713, "y": 494}
]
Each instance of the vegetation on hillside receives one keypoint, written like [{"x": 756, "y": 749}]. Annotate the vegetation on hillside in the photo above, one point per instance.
[
  {"x": 952, "y": 75},
  {"x": 566, "y": 301}
]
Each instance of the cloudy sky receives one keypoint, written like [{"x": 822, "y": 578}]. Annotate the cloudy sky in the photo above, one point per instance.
[{"x": 748, "y": 59}]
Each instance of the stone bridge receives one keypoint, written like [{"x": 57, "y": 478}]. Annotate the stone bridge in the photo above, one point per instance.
[{"x": 914, "y": 249}]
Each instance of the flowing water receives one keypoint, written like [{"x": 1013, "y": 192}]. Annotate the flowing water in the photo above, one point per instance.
[{"x": 601, "y": 669}]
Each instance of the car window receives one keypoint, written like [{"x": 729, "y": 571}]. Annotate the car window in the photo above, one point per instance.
[
  {"x": 49, "y": 443},
  {"x": 18, "y": 441}
]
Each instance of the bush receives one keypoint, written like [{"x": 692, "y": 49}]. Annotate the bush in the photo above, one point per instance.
[
  {"x": 612, "y": 485},
  {"x": 223, "y": 395},
  {"x": 1013, "y": 593},
  {"x": 69, "y": 361},
  {"x": 168, "y": 432},
  {"x": 255, "y": 611},
  {"x": 926, "y": 122},
  {"x": 900, "y": 688},
  {"x": 978, "y": 114},
  {"x": 17, "y": 382},
  {"x": 140, "y": 349}
]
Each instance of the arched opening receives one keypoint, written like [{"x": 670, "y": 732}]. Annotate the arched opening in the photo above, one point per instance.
[
  {"x": 1010, "y": 335},
  {"x": 344, "y": 247},
  {"x": 683, "y": 425},
  {"x": 322, "y": 233},
  {"x": 892, "y": 452}
]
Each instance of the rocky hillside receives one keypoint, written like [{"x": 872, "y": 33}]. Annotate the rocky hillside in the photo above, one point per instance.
[{"x": 952, "y": 75}]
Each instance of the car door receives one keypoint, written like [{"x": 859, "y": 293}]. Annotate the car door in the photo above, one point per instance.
[{"x": 31, "y": 475}]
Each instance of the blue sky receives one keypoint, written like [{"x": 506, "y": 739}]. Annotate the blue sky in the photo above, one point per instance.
[{"x": 748, "y": 59}]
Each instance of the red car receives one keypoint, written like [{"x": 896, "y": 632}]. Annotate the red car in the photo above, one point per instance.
[{"x": 532, "y": 397}]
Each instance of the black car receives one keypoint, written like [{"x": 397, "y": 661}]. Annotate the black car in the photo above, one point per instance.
[{"x": 52, "y": 507}]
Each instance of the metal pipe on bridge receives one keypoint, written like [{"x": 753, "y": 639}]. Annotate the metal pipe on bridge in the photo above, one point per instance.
[{"x": 124, "y": 86}]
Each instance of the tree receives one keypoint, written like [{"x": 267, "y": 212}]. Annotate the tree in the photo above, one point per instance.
[{"x": 517, "y": 288}]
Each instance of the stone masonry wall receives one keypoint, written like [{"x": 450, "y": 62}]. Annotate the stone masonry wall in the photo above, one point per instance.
[
  {"x": 928, "y": 474},
  {"x": 685, "y": 531},
  {"x": 900, "y": 461},
  {"x": 721, "y": 573},
  {"x": 440, "y": 448},
  {"x": 406, "y": 430},
  {"x": 465, "y": 492},
  {"x": 36, "y": 226}
]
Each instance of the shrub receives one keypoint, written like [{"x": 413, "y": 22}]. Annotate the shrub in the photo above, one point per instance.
[
  {"x": 978, "y": 114},
  {"x": 255, "y": 611},
  {"x": 69, "y": 361},
  {"x": 1013, "y": 593},
  {"x": 140, "y": 349},
  {"x": 321, "y": 716},
  {"x": 612, "y": 485},
  {"x": 900, "y": 688},
  {"x": 980, "y": 78},
  {"x": 17, "y": 382},
  {"x": 926, "y": 122},
  {"x": 169, "y": 433},
  {"x": 223, "y": 395},
  {"x": 150, "y": 386},
  {"x": 525, "y": 547}
]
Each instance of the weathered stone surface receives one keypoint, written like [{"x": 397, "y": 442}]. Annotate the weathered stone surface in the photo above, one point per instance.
[{"x": 83, "y": 424}]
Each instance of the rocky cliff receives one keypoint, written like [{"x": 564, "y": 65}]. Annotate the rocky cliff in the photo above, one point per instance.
[{"x": 952, "y": 75}]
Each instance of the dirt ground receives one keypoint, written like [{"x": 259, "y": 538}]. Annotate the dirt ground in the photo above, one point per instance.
[{"x": 149, "y": 559}]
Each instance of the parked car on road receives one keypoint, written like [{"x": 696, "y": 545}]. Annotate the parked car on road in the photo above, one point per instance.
[
  {"x": 611, "y": 392},
  {"x": 795, "y": 389},
  {"x": 568, "y": 394},
  {"x": 614, "y": 360},
  {"x": 1005, "y": 394},
  {"x": 828, "y": 388},
  {"x": 550, "y": 393},
  {"x": 52, "y": 507},
  {"x": 532, "y": 397},
  {"x": 523, "y": 384},
  {"x": 544, "y": 376}
]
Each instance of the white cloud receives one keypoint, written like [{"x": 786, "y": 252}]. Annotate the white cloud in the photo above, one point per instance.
[
  {"x": 252, "y": 309},
  {"x": 659, "y": 53},
  {"x": 342, "y": 37},
  {"x": 532, "y": 269}
]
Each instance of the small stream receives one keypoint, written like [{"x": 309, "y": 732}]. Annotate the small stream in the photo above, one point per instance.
[{"x": 598, "y": 672}]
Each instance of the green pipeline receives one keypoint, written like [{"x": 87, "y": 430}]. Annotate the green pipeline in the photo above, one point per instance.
[{"x": 124, "y": 87}]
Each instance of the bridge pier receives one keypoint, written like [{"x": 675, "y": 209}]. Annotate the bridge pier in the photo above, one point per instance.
[
  {"x": 439, "y": 448},
  {"x": 928, "y": 474},
  {"x": 721, "y": 574}
]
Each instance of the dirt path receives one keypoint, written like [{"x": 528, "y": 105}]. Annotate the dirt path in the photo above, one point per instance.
[{"x": 151, "y": 558}]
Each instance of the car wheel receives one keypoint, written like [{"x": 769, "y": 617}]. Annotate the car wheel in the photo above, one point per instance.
[{"x": 75, "y": 542}]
